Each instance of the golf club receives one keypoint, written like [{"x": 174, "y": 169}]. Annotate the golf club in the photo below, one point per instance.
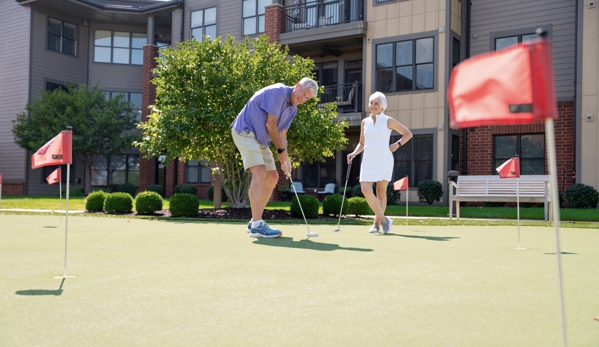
[
  {"x": 310, "y": 234},
  {"x": 343, "y": 199}
]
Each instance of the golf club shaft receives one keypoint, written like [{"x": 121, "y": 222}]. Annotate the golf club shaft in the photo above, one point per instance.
[
  {"x": 299, "y": 203},
  {"x": 343, "y": 198}
]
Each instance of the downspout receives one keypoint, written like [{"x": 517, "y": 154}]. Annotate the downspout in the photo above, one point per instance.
[
  {"x": 465, "y": 130},
  {"x": 577, "y": 90},
  {"x": 182, "y": 7}
]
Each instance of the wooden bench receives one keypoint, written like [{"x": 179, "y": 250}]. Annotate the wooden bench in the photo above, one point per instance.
[{"x": 531, "y": 188}]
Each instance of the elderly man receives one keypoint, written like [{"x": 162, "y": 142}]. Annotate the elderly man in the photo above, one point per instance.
[{"x": 266, "y": 117}]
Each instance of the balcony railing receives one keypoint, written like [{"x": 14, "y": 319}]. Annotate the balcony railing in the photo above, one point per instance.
[
  {"x": 346, "y": 96},
  {"x": 322, "y": 14}
]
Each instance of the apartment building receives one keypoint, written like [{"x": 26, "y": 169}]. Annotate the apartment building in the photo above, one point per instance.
[{"x": 404, "y": 48}]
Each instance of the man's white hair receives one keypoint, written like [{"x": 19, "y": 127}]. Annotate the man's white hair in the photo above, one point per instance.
[
  {"x": 310, "y": 84},
  {"x": 382, "y": 98}
]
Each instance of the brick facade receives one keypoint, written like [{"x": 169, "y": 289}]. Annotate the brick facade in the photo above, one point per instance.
[
  {"x": 13, "y": 189},
  {"x": 479, "y": 142},
  {"x": 274, "y": 22},
  {"x": 147, "y": 167}
]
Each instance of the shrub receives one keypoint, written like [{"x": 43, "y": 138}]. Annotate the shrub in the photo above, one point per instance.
[
  {"x": 75, "y": 192},
  {"x": 118, "y": 202},
  {"x": 184, "y": 205},
  {"x": 186, "y": 189},
  {"x": 393, "y": 195},
  {"x": 582, "y": 196},
  {"x": 430, "y": 191},
  {"x": 210, "y": 193},
  {"x": 357, "y": 191},
  {"x": 309, "y": 204},
  {"x": 494, "y": 204},
  {"x": 126, "y": 188},
  {"x": 155, "y": 188},
  {"x": 148, "y": 202},
  {"x": 332, "y": 205},
  {"x": 358, "y": 206},
  {"x": 95, "y": 201}
]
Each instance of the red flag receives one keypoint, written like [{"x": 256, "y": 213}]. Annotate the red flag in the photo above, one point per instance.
[
  {"x": 0, "y": 179},
  {"x": 510, "y": 169},
  {"x": 57, "y": 151},
  {"x": 402, "y": 184},
  {"x": 509, "y": 86},
  {"x": 54, "y": 177}
]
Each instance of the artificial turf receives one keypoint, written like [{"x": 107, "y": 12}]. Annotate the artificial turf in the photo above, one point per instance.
[{"x": 187, "y": 282}]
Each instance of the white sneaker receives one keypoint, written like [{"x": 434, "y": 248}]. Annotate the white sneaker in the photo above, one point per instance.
[
  {"x": 386, "y": 225},
  {"x": 374, "y": 229}
]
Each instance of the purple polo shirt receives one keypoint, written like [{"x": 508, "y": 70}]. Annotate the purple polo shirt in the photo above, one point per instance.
[{"x": 273, "y": 100}]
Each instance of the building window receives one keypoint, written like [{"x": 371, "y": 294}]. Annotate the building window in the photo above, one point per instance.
[
  {"x": 119, "y": 47},
  {"x": 133, "y": 98},
  {"x": 62, "y": 36},
  {"x": 253, "y": 16},
  {"x": 503, "y": 42},
  {"x": 405, "y": 65},
  {"x": 120, "y": 169},
  {"x": 203, "y": 23},
  {"x": 198, "y": 171},
  {"x": 414, "y": 159},
  {"x": 529, "y": 147},
  {"x": 318, "y": 174},
  {"x": 53, "y": 86},
  {"x": 47, "y": 170}
]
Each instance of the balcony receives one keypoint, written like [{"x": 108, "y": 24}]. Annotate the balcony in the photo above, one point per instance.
[
  {"x": 348, "y": 98},
  {"x": 324, "y": 20}
]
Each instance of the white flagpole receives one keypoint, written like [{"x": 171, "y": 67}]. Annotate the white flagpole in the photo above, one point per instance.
[
  {"x": 60, "y": 197},
  {"x": 407, "y": 198},
  {"x": 518, "y": 208},
  {"x": 550, "y": 134},
  {"x": 66, "y": 225}
]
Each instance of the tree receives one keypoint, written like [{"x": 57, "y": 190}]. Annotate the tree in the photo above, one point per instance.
[
  {"x": 101, "y": 127},
  {"x": 200, "y": 89}
]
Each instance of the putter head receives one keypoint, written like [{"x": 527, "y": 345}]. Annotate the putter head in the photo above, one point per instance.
[
  {"x": 336, "y": 230},
  {"x": 312, "y": 234}
]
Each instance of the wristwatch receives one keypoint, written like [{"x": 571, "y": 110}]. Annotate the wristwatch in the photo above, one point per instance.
[{"x": 280, "y": 150}]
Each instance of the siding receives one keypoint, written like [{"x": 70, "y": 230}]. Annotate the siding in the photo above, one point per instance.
[
  {"x": 14, "y": 80},
  {"x": 228, "y": 14},
  {"x": 491, "y": 16}
]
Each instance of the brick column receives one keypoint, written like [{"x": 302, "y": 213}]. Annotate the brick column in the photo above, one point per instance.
[
  {"x": 147, "y": 167},
  {"x": 274, "y": 19}
]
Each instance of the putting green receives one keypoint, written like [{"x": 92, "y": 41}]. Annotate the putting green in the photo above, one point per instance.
[{"x": 147, "y": 282}]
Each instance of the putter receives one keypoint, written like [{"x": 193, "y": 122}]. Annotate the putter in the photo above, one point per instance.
[
  {"x": 343, "y": 199},
  {"x": 310, "y": 234}
]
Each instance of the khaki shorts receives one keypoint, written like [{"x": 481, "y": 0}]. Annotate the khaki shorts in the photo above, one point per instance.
[{"x": 252, "y": 152}]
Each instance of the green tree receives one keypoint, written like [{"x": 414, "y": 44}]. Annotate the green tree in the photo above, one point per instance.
[
  {"x": 200, "y": 89},
  {"x": 101, "y": 127}
]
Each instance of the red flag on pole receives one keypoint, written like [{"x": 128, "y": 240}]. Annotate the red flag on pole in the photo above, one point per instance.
[
  {"x": 510, "y": 169},
  {"x": 509, "y": 86},
  {"x": 401, "y": 184},
  {"x": 0, "y": 179},
  {"x": 54, "y": 177},
  {"x": 57, "y": 151}
]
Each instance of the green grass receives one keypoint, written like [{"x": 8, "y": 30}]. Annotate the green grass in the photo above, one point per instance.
[{"x": 177, "y": 282}]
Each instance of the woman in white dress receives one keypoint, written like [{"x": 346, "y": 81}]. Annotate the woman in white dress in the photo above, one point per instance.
[{"x": 377, "y": 161}]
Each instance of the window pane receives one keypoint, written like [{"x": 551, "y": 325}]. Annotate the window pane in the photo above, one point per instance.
[
  {"x": 505, "y": 42},
  {"x": 403, "y": 79},
  {"x": 69, "y": 46},
  {"x": 119, "y": 177},
  {"x": 121, "y": 56},
  {"x": 137, "y": 57},
  {"x": 133, "y": 177},
  {"x": 70, "y": 31},
  {"x": 529, "y": 37},
  {"x": 211, "y": 31},
  {"x": 121, "y": 39},
  {"x": 54, "y": 43},
  {"x": 532, "y": 166},
  {"x": 505, "y": 146},
  {"x": 532, "y": 146},
  {"x": 54, "y": 27},
  {"x": 403, "y": 53},
  {"x": 329, "y": 73},
  {"x": 249, "y": 8},
  {"x": 197, "y": 19},
  {"x": 423, "y": 170},
  {"x": 210, "y": 16},
  {"x": 424, "y": 76},
  {"x": 384, "y": 55},
  {"x": 102, "y": 38},
  {"x": 99, "y": 172},
  {"x": 384, "y": 80},
  {"x": 102, "y": 54},
  {"x": 262, "y": 4},
  {"x": 261, "y": 24},
  {"x": 249, "y": 26},
  {"x": 197, "y": 34},
  {"x": 423, "y": 147},
  {"x": 424, "y": 50},
  {"x": 135, "y": 99},
  {"x": 193, "y": 174},
  {"x": 204, "y": 172},
  {"x": 118, "y": 163},
  {"x": 138, "y": 40}
]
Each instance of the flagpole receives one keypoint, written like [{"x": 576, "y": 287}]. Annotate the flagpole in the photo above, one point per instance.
[
  {"x": 66, "y": 225},
  {"x": 518, "y": 208},
  {"x": 60, "y": 198},
  {"x": 407, "y": 198}
]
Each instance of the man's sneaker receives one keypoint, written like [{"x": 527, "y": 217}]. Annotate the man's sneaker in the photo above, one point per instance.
[
  {"x": 386, "y": 225},
  {"x": 264, "y": 231},
  {"x": 374, "y": 229}
]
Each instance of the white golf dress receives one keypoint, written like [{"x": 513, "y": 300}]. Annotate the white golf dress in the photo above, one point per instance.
[{"x": 377, "y": 159}]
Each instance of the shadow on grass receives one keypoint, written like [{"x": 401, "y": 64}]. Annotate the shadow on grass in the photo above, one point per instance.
[
  {"x": 37, "y": 292},
  {"x": 562, "y": 253},
  {"x": 306, "y": 244},
  {"x": 430, "y": 238}
]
